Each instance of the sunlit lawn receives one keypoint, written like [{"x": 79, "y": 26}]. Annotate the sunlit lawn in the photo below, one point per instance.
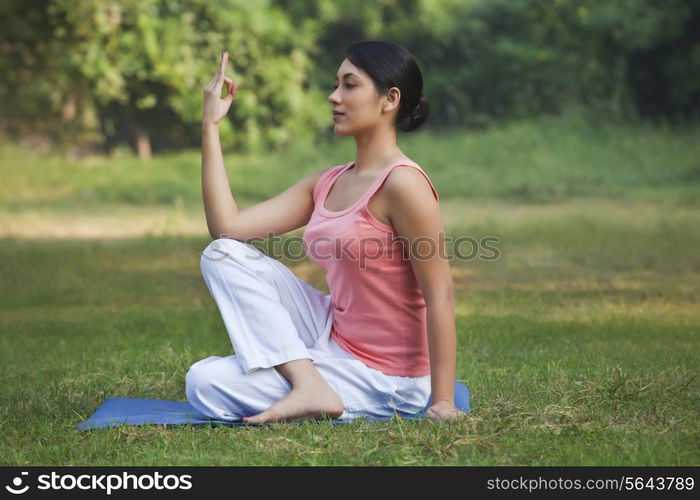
[{"x": 579, "y": 342}]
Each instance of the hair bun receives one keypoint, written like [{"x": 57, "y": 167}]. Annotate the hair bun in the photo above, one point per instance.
[
  {"x": 422, "y": 101},
  {"x": 418, "y": 114}
]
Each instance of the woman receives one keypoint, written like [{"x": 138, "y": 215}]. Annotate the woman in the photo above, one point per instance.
[{"x": 384, "y": 339}]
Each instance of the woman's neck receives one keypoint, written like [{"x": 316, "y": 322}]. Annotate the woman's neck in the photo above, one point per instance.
[{"x": 375, "y": 150}]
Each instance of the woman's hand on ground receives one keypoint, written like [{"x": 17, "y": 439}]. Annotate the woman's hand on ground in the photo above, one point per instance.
[
  {"x": 216, "y": 107},
  {"x": 444, "y": 410}
]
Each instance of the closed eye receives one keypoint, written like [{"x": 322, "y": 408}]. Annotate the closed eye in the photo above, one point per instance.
[{"x": 347, "y": 86}]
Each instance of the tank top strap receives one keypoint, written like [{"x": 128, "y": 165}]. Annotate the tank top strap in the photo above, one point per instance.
[
  {"x": 382, "y": 177},
  {"x": 326, "y": 179}
]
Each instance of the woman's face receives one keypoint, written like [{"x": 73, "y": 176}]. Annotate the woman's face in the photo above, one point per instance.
[{"x": 356, "y": 97}]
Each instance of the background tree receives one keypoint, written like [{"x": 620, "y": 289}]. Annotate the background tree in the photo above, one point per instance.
[{"x": 97, "y": 73}]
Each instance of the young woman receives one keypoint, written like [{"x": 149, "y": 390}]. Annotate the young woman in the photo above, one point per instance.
[{"x": 384, "y": 339}]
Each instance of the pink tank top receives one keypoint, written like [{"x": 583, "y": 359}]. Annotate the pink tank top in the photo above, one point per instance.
[{"x": 379, "y": 314}]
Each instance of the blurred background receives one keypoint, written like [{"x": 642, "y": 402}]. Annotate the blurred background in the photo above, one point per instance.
[
  {"x": 567, "y": 129},
  {"x": 98, "y": 75},
  {"x": 533, "y": 100}
]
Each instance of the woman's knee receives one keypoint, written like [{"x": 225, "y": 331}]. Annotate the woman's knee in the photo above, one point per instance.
[
  {"x": 197, "y": 379},
  {"x": 238, "y": 251},
  {"x": 236, "y": 255},
  {"x": 206, "y": 372},
  {"x": 220, "y": 248},
  {"x": 199, "y": 383},
  {"x": 209, "y": 385}
]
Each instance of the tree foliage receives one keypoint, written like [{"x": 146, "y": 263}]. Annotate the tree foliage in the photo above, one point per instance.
[{"x": 104, "y": 71}]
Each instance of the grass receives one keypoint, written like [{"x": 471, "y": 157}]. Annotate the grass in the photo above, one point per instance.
[
  {"x": 548, "y": 160},
  {"x": 579, "y": 343}
]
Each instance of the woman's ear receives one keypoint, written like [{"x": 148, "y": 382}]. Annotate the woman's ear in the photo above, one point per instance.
[{"x": 392, "y": 99}]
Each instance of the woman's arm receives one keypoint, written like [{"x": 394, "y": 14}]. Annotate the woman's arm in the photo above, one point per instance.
[
  {"x": 415, "y": 215},
  {"x": 219, "y": 205},
  {"x": 442, "y": 341},
  {"x": 285, "y": 212}
]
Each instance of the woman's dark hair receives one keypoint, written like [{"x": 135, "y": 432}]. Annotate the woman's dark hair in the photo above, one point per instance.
[{"x": 390, "y": 65}]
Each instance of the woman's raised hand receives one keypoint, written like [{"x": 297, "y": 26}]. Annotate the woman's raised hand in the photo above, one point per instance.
[{"x": 216, "y": 107}]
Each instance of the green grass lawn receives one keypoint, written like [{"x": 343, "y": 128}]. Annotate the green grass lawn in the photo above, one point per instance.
[{"x": 579, "y": 343}]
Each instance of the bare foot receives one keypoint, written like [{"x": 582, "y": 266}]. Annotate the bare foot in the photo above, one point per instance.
[{"x": 310, "y": 401}]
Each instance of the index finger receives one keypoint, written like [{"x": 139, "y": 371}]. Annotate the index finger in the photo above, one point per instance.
[
  {"x": 224, "y": 60},
  {"x": 220, "y": 75}
]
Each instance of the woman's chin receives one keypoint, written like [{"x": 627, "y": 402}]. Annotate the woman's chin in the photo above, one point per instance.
[{"x": 339, "y": 131}]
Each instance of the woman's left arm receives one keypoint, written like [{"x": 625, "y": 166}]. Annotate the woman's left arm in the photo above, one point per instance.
[{"x": 415, "y": 214}]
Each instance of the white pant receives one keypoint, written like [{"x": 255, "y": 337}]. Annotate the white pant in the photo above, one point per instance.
[{"x": 272, "y": 316}]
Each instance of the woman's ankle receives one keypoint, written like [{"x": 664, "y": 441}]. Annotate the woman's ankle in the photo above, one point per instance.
[{"x": 301, "y": 373}]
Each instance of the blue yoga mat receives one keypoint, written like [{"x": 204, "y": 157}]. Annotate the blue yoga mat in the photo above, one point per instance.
[{"x": 134, "y": 411}]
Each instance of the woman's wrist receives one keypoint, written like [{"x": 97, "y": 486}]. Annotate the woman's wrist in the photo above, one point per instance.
[
  {"x": 213, "y": 125},
  {"x": 444, "y": 400}
]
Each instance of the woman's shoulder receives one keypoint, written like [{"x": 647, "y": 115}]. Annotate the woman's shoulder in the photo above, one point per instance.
[{"x": 409, "y": 176}]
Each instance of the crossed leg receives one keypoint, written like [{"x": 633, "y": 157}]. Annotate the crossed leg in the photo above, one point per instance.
[{"x": 273, "y": 318}]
